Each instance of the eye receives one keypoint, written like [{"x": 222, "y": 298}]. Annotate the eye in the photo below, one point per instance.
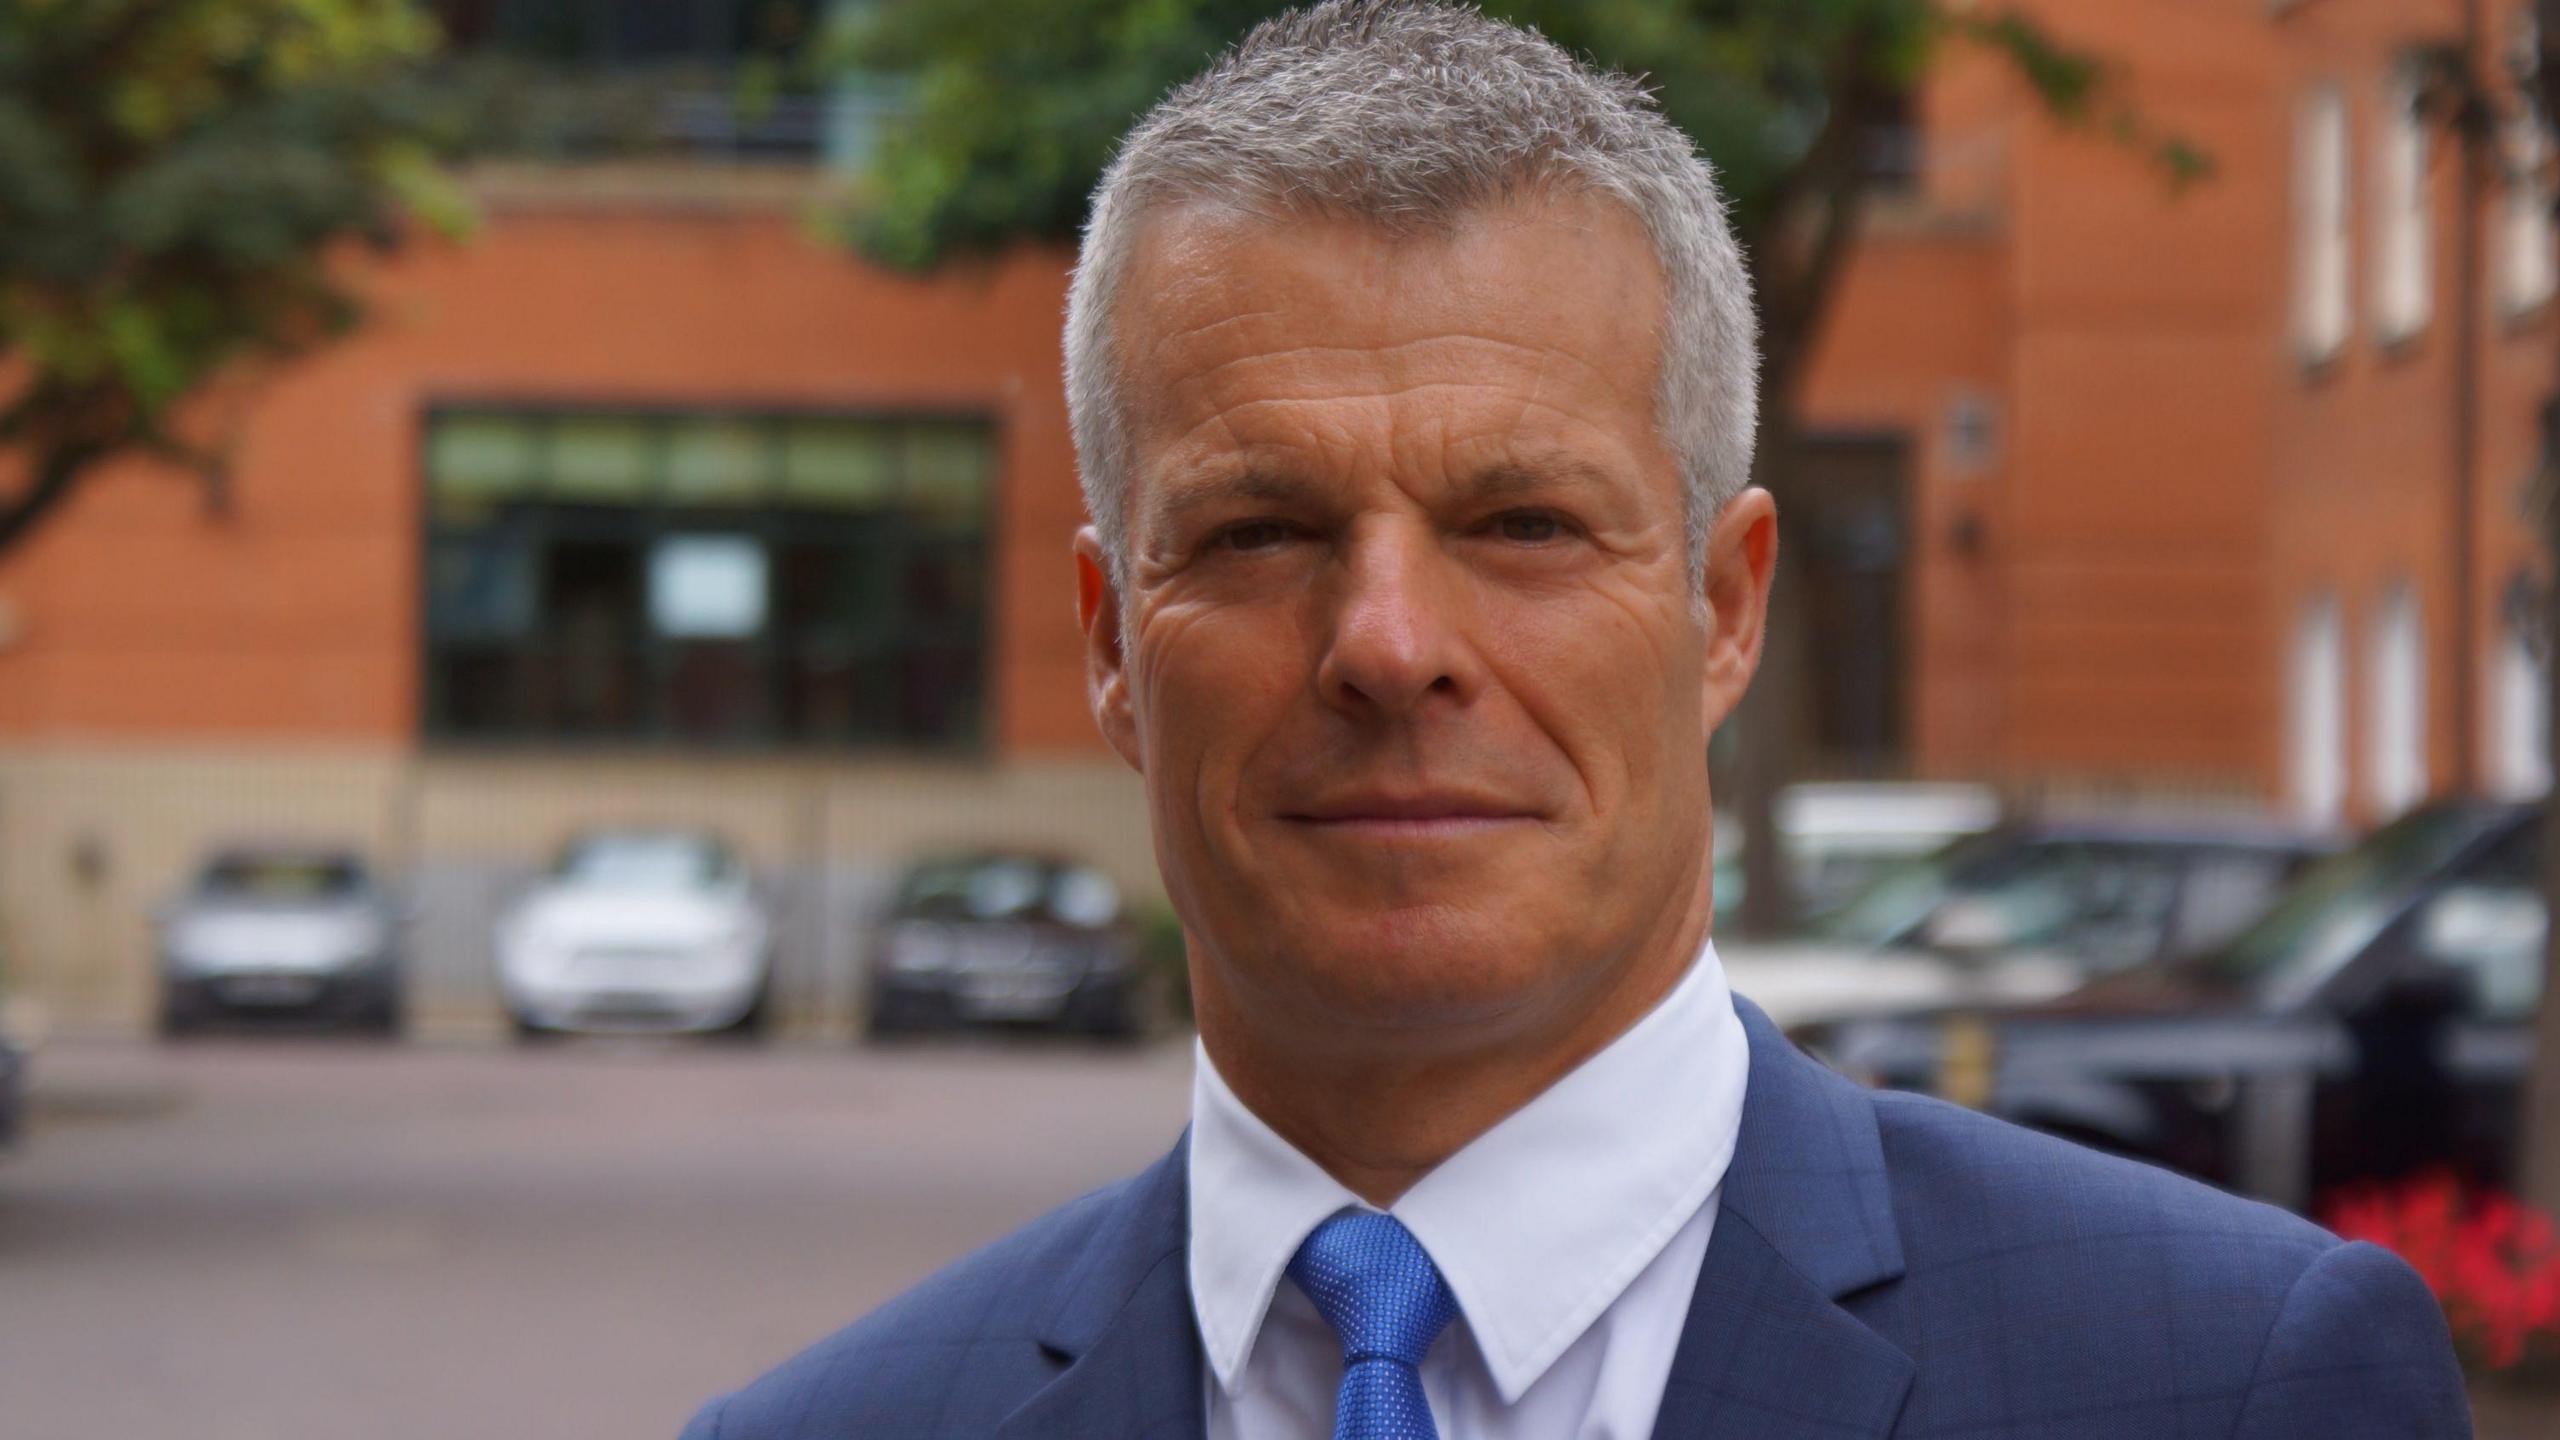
[
  {"x": 1250, "y": 535},
  {"x": 1528, "y": 527}
]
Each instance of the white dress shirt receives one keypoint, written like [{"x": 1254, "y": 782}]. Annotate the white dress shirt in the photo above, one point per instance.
[{"x": 1571, "y": 1234}]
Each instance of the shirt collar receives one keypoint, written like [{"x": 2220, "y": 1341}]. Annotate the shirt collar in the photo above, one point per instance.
[{"x": 1539, "y": 1224}]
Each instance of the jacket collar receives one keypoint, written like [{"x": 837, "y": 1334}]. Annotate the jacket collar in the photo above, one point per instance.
[
  {"x": 1808, "y": 1169},
  {"x": 1121, "y": 1323},
  {"x": 1806, "y": 1220}
]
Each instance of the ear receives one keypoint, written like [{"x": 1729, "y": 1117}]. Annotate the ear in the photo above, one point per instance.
[
  {"x": 1106, "y": 670},
  {"x": 1741, "y": 560}
]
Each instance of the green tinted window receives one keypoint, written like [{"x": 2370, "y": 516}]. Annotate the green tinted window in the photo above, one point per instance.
[
  {"x": 481, "y": 455},
  {"x": 603, "y": 457},
  {"x": 851, "y": 463},
  {"x": 947, "y": 470},
  {"x": 713, "y": 576},
  {"x": 716, "y": 460}
]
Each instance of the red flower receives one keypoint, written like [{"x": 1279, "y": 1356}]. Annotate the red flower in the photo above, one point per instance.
[{"x": 2493, "y": 1263}]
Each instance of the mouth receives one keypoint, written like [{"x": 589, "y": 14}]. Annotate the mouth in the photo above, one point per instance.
[{"x": 1425, "y": 816}]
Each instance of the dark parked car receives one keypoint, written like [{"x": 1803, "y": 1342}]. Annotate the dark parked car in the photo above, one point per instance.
[
  {"x": 280, "y": 932},
  {"x": 2023, "y": 912},
  {"x": 2372, "y": 1024},
  {"x": 1012, "y": 939}
]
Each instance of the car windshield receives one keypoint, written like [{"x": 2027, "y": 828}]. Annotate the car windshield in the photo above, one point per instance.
[
  {"x": 1905, "y": 894},
  {"x": 1008, "y": 889},
  {"x": 644, "y": 862},
  {"x": 2342, "y": 903},
  {"x": 282, "y": 879}
]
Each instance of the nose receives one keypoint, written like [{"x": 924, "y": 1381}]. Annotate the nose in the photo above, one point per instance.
[{"x": 1395, "y": 635}]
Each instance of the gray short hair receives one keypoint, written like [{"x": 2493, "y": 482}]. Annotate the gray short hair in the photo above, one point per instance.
[{"x": 1408, "y": 114}]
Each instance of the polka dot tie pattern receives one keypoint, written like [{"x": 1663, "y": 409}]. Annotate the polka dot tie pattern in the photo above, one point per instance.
[{"x": 1376, "y": 1286}]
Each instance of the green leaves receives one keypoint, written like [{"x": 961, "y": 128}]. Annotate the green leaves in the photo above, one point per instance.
[
  {"x": 173, "y": 174},
  {"x": 1017, "y": 103}
]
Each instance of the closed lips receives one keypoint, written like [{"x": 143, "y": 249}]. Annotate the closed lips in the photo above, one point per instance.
[{"x": 1406, "y": 809}]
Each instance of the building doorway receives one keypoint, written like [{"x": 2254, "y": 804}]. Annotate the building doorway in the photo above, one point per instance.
[{"x": 1848, "y": 522}]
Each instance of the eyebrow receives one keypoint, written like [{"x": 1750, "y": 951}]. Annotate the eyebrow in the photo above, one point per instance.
[
  {"x": 1511, "y": 477},
  {"x": 1499, "y": 480},
  {"x": 1184, "y": 496}
]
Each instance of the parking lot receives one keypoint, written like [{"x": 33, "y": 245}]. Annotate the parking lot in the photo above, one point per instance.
[{"x": 277, "y": 1240}]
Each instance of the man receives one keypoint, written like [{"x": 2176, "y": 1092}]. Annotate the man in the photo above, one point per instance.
[{"x": 1411, "y": 371}]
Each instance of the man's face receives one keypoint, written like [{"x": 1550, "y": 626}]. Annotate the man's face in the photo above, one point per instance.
[{"x": 1411, "y": 657}]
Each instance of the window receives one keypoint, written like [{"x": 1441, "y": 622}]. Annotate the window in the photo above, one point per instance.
[
  {"x": 2316, "y": 714},
  {"x": 2321, "y": 275},
  {"x": 747, "y": 79},
  {"x": 2396, "y": 708},
  {"x": 2528, "y": 272},
  {"x": 2403, "y": 294},
  {"x": 715, "y": 578},
  {"x": 2519, "y": 702}
]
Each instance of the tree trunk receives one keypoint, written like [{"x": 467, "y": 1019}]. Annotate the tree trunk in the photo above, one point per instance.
[{"x": 1763, "y": 757}]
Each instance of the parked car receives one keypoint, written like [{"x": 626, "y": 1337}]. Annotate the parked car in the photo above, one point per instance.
[
  {"x": 1841, "y": 834},
  {"x": 1010, "y": 938},
  {"x": 638, "y": 930},
  {"x": 2372, "y": 1024},
  {"x": 280, "y": 931},
  {"x": 2023, "y": 912}
]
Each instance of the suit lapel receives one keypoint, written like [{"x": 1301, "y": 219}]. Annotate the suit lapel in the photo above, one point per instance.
[
  {"x": 1122, "y": 1327},
  {"x": 1805, "y": 1219}
]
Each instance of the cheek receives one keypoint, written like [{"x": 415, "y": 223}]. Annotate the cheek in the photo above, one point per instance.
[
  {"x": 1208, "y": 687},
  {"x": 1608, "y": 678}
]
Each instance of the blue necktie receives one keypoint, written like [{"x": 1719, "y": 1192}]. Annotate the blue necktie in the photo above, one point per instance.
[{"x": 1374, "y": 1284}]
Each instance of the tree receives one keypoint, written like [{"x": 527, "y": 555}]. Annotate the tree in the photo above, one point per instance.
[
  {"x": 1017, "y": 104},
  {"x": 175, "y": 179}
]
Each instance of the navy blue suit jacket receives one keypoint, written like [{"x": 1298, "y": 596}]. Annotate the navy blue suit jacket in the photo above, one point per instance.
[{"x": 1883, "y": 1265}]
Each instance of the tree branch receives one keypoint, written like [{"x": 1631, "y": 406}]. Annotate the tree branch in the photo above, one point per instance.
[{"x": 59, "y": 470}]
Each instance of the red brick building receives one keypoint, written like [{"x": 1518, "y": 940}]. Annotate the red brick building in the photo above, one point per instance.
[
  {"x": 2221, "y": 483},
  {"x": 647, "y": 502}
]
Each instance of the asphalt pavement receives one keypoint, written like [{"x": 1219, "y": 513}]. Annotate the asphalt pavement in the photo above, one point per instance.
[
  {"x": 303, "y": 1240},
  {"x": 274, "y": 1240}
]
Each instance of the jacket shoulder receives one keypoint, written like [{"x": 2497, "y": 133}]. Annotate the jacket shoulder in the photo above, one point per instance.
[
  {"x": 951, "y": 1356},
  {"x": 1969, "y": 1180},
  {"x": 2086, "y": 1294}
]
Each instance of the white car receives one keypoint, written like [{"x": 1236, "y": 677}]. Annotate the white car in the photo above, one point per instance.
[{"x": 638, "y": 930}]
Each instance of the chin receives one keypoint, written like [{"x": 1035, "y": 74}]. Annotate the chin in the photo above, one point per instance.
[{"x": 1418, "y": 965}]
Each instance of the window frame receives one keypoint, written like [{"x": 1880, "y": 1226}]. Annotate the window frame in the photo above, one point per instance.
[{"x": 766, "y": 515}]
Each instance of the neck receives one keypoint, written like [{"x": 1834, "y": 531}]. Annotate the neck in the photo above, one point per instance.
[{"x": 1379, "y": 1108}]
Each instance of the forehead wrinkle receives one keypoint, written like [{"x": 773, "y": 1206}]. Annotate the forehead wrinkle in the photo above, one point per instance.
[
  {"x": 1519, "y": 405},
  {"x": 1378, "y": 352}
]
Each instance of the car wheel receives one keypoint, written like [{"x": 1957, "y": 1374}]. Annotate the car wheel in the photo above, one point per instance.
[
  {"x": 528, "y": 1033},
  {"x": 383, "y": 1018}
]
